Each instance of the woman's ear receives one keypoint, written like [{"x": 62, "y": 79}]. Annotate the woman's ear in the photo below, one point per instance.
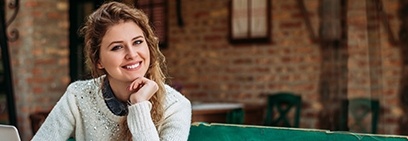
[{"x": 99, "y": 65}]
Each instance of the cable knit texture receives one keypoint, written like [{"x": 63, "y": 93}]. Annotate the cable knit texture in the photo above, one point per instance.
[{"x": 83, "y": 114}]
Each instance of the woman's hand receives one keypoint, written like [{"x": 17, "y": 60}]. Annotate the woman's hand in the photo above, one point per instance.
[{"x": 142, "y": 89}]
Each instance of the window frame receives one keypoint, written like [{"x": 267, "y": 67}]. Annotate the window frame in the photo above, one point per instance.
[
  {"x": 233, "y": 22},
  {"x": 160, "y": 29}
]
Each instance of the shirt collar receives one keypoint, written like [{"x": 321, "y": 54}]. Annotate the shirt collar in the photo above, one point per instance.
[{"x": 116, "y": 106}]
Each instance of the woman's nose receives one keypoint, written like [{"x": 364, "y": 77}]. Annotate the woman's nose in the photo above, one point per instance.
[{"x": 131, "y": 53}]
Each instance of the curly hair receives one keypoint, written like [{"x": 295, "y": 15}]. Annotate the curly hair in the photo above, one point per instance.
[{"x": 113, "y": 13}]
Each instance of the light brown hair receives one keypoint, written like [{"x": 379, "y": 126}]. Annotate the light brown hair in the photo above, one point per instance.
[{"x": 108, "y": 15}]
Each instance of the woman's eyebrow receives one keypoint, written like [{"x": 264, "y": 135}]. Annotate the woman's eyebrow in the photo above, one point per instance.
[
  {"x": 114, "y": 42},
  {"x": 137, "y": 37}
]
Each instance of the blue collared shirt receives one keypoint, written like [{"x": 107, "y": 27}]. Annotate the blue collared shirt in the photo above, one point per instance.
[{"x": 116, "y": 106}]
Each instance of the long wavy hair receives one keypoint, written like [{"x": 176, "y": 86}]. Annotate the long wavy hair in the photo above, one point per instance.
[{"x": 108, "y": 15}]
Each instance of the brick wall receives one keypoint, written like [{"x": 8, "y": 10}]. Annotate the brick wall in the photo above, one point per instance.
[
  {"x": 39, "y": 58},
  {"x": 211, "y": 69},
  {"x": 359, "y": 65}
]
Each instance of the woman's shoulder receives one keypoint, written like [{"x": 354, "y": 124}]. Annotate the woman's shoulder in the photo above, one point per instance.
[
  {"x": 80, "y": 86},
  {"x": 174, "y": 96},
  {"x": 83, "y": 92},
  {"x": 171, "y": 92}
]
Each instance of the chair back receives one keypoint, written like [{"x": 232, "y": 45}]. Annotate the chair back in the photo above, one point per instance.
[
  {"x": 357, "y": 111},
  {"x": 236, "y": 116},
  {"x": 279, "y": 106},
  {"x": 37, "y": 120}
]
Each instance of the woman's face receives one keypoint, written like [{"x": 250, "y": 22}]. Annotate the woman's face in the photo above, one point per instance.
[{"x": 124, "y": 53}]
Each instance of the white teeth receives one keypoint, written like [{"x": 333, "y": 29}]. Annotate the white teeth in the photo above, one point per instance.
[{"x": 132, "y": 66}]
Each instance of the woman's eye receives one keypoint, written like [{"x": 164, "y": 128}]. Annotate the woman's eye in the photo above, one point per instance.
[
  {"x": 138, "y": 42},
  {"x": 116, "y": 48}
]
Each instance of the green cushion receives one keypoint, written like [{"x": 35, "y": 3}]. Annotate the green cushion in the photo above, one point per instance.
[{"x": 235, "y": 132}]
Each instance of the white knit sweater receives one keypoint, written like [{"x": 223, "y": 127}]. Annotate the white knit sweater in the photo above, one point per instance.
[{"x": 82, "y": 113}]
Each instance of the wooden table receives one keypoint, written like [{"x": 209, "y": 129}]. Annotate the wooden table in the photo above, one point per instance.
[{"x": 217, "y": 112}]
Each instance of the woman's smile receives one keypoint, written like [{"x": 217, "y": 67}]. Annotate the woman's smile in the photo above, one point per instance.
[{"x": 133, "y": 66}]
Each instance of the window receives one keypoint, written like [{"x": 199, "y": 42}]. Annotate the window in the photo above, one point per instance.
[
  {"x": 156, "y": 11},
  {"x": 249, "y": 21}
]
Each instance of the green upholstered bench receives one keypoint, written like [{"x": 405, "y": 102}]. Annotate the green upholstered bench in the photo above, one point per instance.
[{"x": 232, "y": 132}]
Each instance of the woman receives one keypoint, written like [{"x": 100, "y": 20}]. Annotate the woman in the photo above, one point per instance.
[{"x": 127, "y": 99}]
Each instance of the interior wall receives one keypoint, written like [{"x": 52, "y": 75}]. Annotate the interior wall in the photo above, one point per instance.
[{"x": 211, "y": 69}]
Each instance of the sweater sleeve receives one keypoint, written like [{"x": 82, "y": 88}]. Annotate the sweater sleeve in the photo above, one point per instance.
[
  {"x": 175, "y": 125},
  {"x": 60, "y": 122},
  {"x": 177, "y": 117},
  {"x": 140, "y": 122}
]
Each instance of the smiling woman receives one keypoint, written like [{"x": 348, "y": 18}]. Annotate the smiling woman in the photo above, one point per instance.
[
  {"x": 125, "y": 57},
  {"x": 127, "y": 99}
]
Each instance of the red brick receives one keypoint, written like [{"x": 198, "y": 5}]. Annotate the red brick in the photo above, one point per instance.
[{"x": 290, "y": 25}]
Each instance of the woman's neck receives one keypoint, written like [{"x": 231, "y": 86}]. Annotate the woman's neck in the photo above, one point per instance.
[{"x": 119, "y": 89}]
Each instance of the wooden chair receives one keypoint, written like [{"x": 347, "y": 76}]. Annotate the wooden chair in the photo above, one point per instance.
[
  {"x": 279, "y": 106},
  {"x": 236, "y": 116},
  {"x": 357, "y": 110},
  {"x": 37, "y": 119}
]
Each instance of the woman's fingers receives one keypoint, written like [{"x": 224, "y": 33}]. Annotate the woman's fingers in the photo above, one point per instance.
[
  {"x": 142, "y": 89},
  {"x": 135, "y": 84}
]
